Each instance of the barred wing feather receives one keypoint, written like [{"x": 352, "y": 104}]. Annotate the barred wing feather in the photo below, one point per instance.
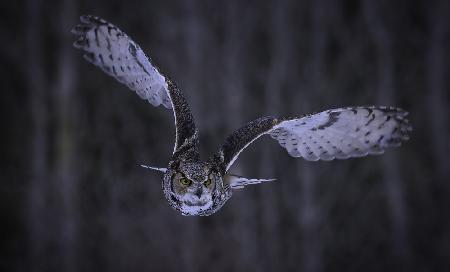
[
  {"x": 333, "y": 134},
  {"x": 116, "y": 54},
  {"x": 343, "y": 133}
]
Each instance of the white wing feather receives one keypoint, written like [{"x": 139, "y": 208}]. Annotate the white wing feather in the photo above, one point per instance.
[
  {"x": 116, "y": 54},
  {"x": 342, "y": 133}
]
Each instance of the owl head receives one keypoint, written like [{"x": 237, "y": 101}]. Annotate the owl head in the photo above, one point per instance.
[{"x": 192, "y": 187}]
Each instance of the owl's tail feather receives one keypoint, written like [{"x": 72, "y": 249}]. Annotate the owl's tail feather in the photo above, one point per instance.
[
  {"x": 237, "y": 182},
  {"x": 154, "y": 168}
]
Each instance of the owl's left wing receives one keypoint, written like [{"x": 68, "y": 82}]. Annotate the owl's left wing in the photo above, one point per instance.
[
  {"x": 339, "y": 133},
  {"x": 109, "y": 48}
]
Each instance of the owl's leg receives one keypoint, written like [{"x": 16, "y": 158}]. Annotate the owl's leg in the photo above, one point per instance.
[
  {"x": 154, "y": 168},
  {"x": 237, "y": 182}
]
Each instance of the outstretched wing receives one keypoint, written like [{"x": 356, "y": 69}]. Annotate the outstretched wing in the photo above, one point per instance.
[
  {"x": 116, "y": 54},
  {"x": 107, "y": 47},
  {"x": 339, "y": 133}
]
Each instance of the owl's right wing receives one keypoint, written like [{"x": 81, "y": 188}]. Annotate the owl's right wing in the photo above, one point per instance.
[
  {"x": 339, "y": 133},
  {"x": 107, "y": 47}
]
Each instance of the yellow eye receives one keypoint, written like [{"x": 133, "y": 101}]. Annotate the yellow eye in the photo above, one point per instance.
[
  {"x": 207, "y": 182},
  {"x": 185, "y": 181}
]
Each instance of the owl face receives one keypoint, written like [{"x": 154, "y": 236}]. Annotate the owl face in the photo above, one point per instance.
[{"x": 190, "y": 187}]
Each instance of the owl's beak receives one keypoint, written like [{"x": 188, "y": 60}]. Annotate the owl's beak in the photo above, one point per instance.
[{"x": 198, "y": 192}]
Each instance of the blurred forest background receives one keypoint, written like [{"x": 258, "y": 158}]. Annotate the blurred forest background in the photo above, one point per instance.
[{"x": 72, "y": 194}]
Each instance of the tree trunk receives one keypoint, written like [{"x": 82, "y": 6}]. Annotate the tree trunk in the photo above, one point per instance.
[
  {"x": 236, "y": 33},
  {"x": 39, "y": 145},
  {"x": 66, "y": 180},
  {"x": 437, "y": 99},
  {"x": 438, "y": 106},
  {"x": 276, "y": 81},
  {"x": 310, "y": 212},
  {"x": 386, "y": 96}
]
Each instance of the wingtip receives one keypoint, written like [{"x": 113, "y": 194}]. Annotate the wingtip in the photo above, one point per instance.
[
  {"x": 80, "y": 29},
  {"x": 80, "y": 43},
  {"x": 74, "y": 31},
  {"x": 92, "y": 20},
  {"x": 86, "y": 18},
  {"x": 90, "y": 57}
]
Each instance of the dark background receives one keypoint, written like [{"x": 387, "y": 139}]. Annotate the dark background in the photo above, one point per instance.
[{"x": 73, "y": 197}]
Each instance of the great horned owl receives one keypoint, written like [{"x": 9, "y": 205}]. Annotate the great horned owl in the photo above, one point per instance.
[{"x": 201, "y": 187}]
